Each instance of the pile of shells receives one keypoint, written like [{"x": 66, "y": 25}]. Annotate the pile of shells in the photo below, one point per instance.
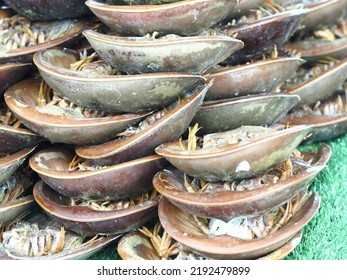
[{"x": 96, "y": 108}]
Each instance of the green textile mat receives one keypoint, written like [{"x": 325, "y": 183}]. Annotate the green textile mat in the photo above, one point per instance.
[{"x": 325, "y": 237}]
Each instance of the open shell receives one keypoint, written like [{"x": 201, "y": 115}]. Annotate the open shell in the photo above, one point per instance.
[
  {"x": 324, "y": 127},
  {"x": 10, "y": 163},
  {"x": 261, "y": 35},
  {"x": 187, "y": 17},
  {"x": 11, "y": 210},
  {"x": 169, "y": 128},
  {"x": 72, "y": 35},
  {"x": 225, "y": 205},
  {"x": 108, "y": 183},
  {"x": 180, "y": 225},
  {"x": 228, "y": 114},
  {"x": 321, "y": 86},
  {"x": 243, "y": 7},
  {"x": 89, "y": 222},
  {"x": 323, "y": 13},
  {"x": 133, "y": 55},
  {"x": 251, "y": 78},
  {"x": 16, "y": 139},
  {"x": 107, "y": 92},
  {"x": 314, "y": 50},
  {"x": 11, "y": 73},
  {"x": 235, "y": 161},
  {"x": 61, "y": 126}
]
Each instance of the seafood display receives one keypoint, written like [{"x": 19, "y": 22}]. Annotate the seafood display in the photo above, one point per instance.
[{"x": 165, "y": 129}]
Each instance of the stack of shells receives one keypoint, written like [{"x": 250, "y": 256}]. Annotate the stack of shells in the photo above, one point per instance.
[{"x": 108, "y": 123}]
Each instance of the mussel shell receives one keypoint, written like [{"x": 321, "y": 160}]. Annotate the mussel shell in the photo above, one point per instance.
[
  {"x": 88, "y": 222},
  {"x": 22, "y": 99},
  {"x": 227, "y": 163},
  {"x": 182, "y": 18},
  {"x": 15, "y": 139},
  {"x": 111, "y": 93},
  {"x": 315, "y": 50},
  {"x": 133, "y": 55},
  {"x": 25, "y": 54},
  {"x": 261, "y": 35},
  {"x": 178, "y": 224},
  {"x": 11, "y": 73},
  {"x": 251, "y": 78},
  {"x": 228, "y": 204},
  {"x": 321, "y": 86},
  {"x": 117, "y": 182},
  {"x": 49, "y": 10},
  {"x": 11, "y": 163},
  {"x": 169, "y": 128},
  {"x": 11, "y": 210},
  {"x": 228, "y": 114}
]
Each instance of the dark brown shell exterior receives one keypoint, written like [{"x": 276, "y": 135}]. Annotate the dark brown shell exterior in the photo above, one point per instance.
[
  {"x": 88, "y": 222},
  {"x": 180, "y": 226},
  {"x": 228, "y": 204}
]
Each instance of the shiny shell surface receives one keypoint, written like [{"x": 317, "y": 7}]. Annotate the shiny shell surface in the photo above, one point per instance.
[
  {"x": 9, "y": 164},
  {"x": 72, "y": 35},
  {"x": 180, "y": 226},
  {"x": 182, "y": 18},
  {"x": 171, "y": 126},
  {"x": 251, "y": 78},
  {"x": 261, "y": 35},
  {"x": 16, "y": 139},
  {"x": 321, "y": 86},
  {"x": 60, "y": 125},
  {"x": 11, "y": 73},
  {"x": 89, "y": 222},
  {"x": 111, "y": 93},
  {"x": 10, "y": 211},
  {"x": 133, "y": 55},
  {"x": 225, "y": 205},
  {"x": 228, "y": 114},
  {"x": 115, "y": 182},
  {"x": 235, "y": 161}
]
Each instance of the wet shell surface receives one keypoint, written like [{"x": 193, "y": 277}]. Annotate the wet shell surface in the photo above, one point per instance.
[{"x": 250, "y": 78}]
